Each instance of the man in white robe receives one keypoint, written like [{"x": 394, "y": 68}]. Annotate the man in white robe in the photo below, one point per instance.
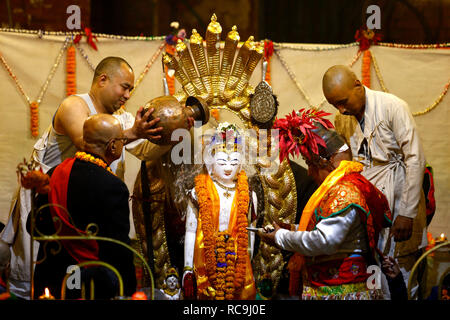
[{"x": 382, "y": 134}]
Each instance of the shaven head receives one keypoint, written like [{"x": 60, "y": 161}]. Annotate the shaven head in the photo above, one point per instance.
[
  {"x": 101, "y": 132},
  {"x": 342, "y": 88},
  {"x": 337, "y": 78},
  {"x": 109, "y": 66}
]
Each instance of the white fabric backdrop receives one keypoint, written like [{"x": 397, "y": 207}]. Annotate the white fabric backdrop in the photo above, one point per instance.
[{"x": 418, "y": 76}]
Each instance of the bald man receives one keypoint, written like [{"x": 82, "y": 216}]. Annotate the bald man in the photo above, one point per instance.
[
  {"x": 382, "y": 134},
  {"x": 111, "y": 87},
  {"x": 92, "y": 193}
]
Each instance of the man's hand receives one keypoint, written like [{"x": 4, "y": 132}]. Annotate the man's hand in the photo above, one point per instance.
[
  {"x": 144, "y": 129},
  {"x": 390, "y": 267},
  {"x": 402, "y": 228},
  {"x": 269, "y": 237}
]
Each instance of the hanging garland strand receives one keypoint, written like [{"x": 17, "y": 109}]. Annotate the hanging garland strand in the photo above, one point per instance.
[
  {"x": 148, "y": 66},
  {"x": 14, "y": 77},
  {"x": 268, "y": 53},
  {"x": 293, "y": 77},
  {"x": 435, "y": 103},
  {"x": 42, "y": 33},
  {"x": 418, "y": 113},
  {"x": 377, "y": 72},
  {"x": 298, "y": 85},
  {"x": 170, "y": 78},
  {"x": 301, "y": 47},
  {"x": 414, "y": 46},
  {"x": 85, "y": 56},
  {"x": 34, "y": 105},
  {"x": 365, "y": 68},
  {"x": 71, "y": 83}
]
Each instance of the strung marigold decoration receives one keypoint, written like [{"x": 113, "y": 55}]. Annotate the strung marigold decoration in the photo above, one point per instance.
[
  {"x": 34, "y": 117},
  {"x": 268, "y": 52},
  {"x": 242, "y": 235},
  {"x": 71, "y": 84},
  {"x": 365, "y": 68},
  {"x": 171, "y": 41},
  {"x": 366, "y": 38},
  {"x": 215, "y": 114},
  {"x": 170, "y": 78},
  {"x": 83, "y": 156},
  {"x": 31, "y": 177}
]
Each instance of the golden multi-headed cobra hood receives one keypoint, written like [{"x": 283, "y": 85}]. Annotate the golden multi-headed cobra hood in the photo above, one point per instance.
[{"x": 221, "y": 82}]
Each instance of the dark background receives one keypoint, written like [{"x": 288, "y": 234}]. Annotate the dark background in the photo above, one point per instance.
[{"x": 299, "y": 21}]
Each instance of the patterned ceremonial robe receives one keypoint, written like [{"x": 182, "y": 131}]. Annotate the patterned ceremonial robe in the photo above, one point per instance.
[{"x": 338, "y": 232}]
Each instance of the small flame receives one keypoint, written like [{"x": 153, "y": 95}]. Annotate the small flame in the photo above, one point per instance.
[
  {"x": 442, "y": 235},
  {"x": 47, "y": 293}
]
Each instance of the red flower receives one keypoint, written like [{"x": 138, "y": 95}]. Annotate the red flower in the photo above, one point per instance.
[
  {"x": 366, "y": 37},
  {"x": 296, "y": 134},
  {"x": 268, "y": 49},
  {"x": 89, "y": 38}
]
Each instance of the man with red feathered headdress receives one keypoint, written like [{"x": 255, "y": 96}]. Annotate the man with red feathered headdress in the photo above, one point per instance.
[{"x": 336, "y": 238}]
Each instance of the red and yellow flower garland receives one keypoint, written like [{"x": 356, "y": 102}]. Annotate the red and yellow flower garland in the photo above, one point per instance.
[
  {"x": 226, "y": 270},
  {"x": 83, "y": 156}
]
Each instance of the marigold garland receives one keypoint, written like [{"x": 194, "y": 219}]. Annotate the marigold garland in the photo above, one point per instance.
[
  {"x": 268, "y": 52},
  {"x": 170, "y": 79},
  {"x": 34, "y": 117},
  {"x": 365, "y": 68},
  {"x": 83, "y": 156},
  {"x": 242, "y": 235},
  {"x": 225, "y": 267},
  {"x": 215, "y": 114},
  {"x": 71, "y": 84}
]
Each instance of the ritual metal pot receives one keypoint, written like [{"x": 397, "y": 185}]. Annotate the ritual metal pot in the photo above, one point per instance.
[{"x": 174, "y": 115}]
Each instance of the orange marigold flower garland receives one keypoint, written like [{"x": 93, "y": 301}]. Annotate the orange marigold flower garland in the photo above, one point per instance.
[
  {"x": 90, "y": 158},
  {"x": 242, "y": 235},
  {"x": 230, "y": 256},
  {"x": 221, "y": 266},
  {"x": 205, "y": 210},
  {"x": 170, "y": 79},
  {"x": 71, "y": 84},
  {"x": 225, "y": 266},
  {"x": 34, "y": 110},
  {"x": 365, "y": 68}
]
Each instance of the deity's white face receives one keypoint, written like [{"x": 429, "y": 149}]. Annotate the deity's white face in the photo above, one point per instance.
[
  {"x": 226, "y": 166},
  {"x": 172, "y": 282}
]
